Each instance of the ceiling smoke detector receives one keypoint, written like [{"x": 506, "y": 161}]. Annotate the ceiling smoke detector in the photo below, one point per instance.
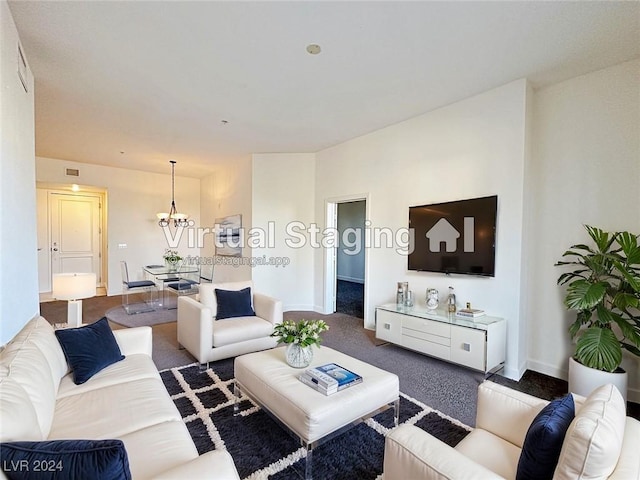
[{"x": 313, "y": 49}]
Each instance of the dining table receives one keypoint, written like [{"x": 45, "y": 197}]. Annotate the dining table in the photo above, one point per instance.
[{"x": 163, "y": 274}]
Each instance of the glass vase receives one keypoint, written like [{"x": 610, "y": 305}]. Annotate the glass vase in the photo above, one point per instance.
[
  {"x": 298, "y": 356},
  {"x": 171, "y": 266}
]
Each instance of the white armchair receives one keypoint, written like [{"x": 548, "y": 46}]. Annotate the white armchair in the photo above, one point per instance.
[
  {"x": 209, "y": 339},
  {"x": 600, "y": 442}
]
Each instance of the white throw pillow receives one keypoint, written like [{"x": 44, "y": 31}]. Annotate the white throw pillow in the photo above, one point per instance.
[{"x": 593, "y": 442}]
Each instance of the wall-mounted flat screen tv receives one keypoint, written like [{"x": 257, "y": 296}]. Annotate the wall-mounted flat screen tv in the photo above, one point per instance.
[{"x": 454, "y": 237}]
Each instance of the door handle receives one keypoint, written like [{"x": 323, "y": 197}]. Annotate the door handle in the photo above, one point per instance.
[{"x": 54, "y": 249}]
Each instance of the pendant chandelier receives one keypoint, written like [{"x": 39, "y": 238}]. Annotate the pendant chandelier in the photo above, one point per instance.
[{"x": 179, "y": 219}]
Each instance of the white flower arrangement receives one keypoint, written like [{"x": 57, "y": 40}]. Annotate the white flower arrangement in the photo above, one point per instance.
[
  {"x": 171, "y": 256},
  {"x": 304, "y": 332}
]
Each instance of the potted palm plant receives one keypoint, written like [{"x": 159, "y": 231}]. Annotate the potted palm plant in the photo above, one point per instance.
[{"x": 604, "y": 289}]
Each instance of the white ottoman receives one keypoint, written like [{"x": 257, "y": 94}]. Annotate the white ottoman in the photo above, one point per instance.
[{"x": 312, "y": 416}]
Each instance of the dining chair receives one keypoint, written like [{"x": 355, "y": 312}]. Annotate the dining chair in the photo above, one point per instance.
[
  {"x": 138, "y": 296},
  {"x": 184, "y": 284},
  {"x": 206, "y": 273}
]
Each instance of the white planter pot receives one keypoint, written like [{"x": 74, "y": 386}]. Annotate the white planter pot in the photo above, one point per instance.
[{"x": 583, "y": 380}]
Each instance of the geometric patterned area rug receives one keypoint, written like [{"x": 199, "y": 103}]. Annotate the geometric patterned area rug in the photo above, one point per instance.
[{"x": 261, "y": 449}]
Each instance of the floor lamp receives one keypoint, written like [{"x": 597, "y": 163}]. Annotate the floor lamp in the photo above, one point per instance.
[{"x": 74, "y": 287}]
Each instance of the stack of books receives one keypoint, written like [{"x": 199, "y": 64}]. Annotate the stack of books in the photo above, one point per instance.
[
  {"x": 329, "y": 378},
  {"x": 470, "y": 313}
]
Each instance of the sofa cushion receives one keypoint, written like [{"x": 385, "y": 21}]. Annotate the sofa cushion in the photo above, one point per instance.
[
  {"x": 44, "y": 338},
  {"x": 134, "y": 367},
  {"x": 158, "y": 448},
  {"x": 218, "y": 461},
  {"x": 628, "y": 465},
  {"x": 113, "y": 411},
  {"x": 89, "y": 349},
  {"x": 594, "y": 440},
  {"x": 543, "y": 441},
  {"x": 492, "y": 452},
  {"x": 234, "y": 303},
  {"x": 25, "y": 364},
  {"x": 19, "y": 419},
  {"x": 65, "y": 460},
  {"x": 239, "y": 329}
]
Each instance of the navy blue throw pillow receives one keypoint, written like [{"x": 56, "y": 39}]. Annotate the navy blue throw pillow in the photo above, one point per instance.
[
  {"x": 543, "y": 442},
  {"x": 89, "y": 349},
  {"x": 234, "y": 303},
  {"x": 65, "y": 460}
]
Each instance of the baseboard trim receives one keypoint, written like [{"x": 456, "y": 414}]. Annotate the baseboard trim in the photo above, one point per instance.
[
  {"x": 512, "y": 373},
  {"x": 299, "y": 307},
  {"x": 548, "y": 369},
  {"x": 321, "y": 309}
]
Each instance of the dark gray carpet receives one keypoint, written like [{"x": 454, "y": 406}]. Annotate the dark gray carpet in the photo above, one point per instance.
[
  {"x": 350, "y": 298},
  {"x": 262, "y": 449}
]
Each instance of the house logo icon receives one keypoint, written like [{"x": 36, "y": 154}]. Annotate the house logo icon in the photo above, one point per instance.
[{"x": 444, "y": 232}]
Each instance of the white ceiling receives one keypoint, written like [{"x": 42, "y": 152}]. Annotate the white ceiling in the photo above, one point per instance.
[{"x": 155, "y": 79}]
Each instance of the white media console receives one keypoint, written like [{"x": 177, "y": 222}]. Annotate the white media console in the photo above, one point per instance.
[{"x": 477, "y": 343}]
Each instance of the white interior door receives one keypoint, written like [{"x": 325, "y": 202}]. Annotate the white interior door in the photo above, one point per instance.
[
  {"x": 75, "y": 234},
  {"x": 330, "y": 262}
]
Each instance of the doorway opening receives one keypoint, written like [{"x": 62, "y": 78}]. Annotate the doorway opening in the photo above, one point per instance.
[
  {"x": 350, "y": 258},
  {"x": 71, "y": 234},
  {"x": 346, "y": 264}
]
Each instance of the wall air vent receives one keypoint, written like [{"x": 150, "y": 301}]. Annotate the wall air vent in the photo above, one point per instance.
[{"x": 72, "y": 172}]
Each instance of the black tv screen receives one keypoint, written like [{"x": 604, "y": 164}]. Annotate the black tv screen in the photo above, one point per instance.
[{"x": 454, "y": 237}]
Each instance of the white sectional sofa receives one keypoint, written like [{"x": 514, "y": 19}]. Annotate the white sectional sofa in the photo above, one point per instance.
[
  {"x": 599, "y": 443},
  {"x": 127, "y": 400}
]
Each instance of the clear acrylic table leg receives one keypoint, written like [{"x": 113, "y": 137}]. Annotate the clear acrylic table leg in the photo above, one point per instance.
[
  {"x": 236, "y": 400},
  {"x": 308, "y": 474},
  {"x": 396, "y": 412}
]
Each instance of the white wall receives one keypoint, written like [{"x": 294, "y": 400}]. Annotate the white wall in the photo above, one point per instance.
[
  {"x": 350, "y": 259},
  {"x": 283, "y": 192},
  {"x": 227, "y": 192},
  {"x": 18, "y": 238},
  {"x": 472, "y": 148},
  {"x": 133, "y": 199},
  {"x": 585, "y": 170},
  {"x": 528, "y": 233}
]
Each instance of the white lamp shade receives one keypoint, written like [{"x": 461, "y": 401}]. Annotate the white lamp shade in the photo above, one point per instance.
[{"x": 74, "y": 286}]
